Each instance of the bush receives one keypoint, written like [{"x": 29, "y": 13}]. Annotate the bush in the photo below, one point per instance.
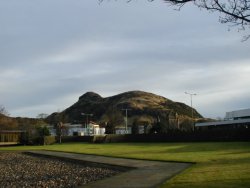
[
  {"x": 179, "y": 136},
  {"x": 110, "y": 138},
  {"x": 48, "y": 140},
  {"x": 99, "y": 139}
]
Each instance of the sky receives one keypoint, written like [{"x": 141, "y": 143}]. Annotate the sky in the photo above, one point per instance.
[{"x": 52, "y": 52}]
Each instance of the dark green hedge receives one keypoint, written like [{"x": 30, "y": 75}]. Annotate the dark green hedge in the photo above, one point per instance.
[
  {"x": 76, "y": 139},
  {"x": 198, "y": 136},
  {"x": 110, "y": 138}
]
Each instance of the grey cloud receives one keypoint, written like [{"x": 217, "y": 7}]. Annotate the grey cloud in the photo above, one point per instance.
[{"x": 53, "y": 52}]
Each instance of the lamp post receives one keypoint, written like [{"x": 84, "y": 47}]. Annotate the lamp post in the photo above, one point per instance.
[
  {"x": 87, "y": 120},
  {"x": 126, "y": 123},
  {"x": 191, "y": 99}
]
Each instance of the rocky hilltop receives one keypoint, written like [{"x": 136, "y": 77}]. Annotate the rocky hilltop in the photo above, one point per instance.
[{"x": 144, "y": 107}]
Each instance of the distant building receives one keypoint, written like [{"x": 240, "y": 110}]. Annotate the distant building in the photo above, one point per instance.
[
  {"x": 122, "y": 130},
  {"x": 95, "y": 129},
  {"x": 144, "y": 129},
  {"x": 239, "y": 114},
  {"x": 233, "y": 119},
  {"x": 79, "y": 130},
  {"x": 75, "y": 130},
  {"x": 141, "y": 129}
]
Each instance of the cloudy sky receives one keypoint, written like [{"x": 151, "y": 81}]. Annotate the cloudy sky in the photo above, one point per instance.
[{"x": 51, "y": 52}]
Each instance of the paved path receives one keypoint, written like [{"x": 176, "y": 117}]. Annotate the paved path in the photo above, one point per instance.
[{"x": 141, "y": 173}]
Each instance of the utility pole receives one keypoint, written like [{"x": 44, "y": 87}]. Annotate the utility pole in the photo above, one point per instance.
[
  {"x": 191, "y": 99},
  {"x": 126, "y": 123},
  {"x": 87, "y": 120}
]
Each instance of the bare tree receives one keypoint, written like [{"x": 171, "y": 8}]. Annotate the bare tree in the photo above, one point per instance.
[
  {"x": 236, "y": 13},
  {"x": 42, "y": 116},
  {"x": 6, "y": 122},
  {"x": 3, "y": 111}
]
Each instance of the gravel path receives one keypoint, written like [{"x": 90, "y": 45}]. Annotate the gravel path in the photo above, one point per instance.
[{"x": 19, "y": 170}]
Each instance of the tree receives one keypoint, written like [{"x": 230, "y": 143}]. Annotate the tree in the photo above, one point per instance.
[
  {"x": 236, "y": 13},
  {"x": 110, "y": 128},
  {"x": 42, "y": 132},
  {"x": 6, "y": 122},
  {"x": 135, "y": 128},
  {"x": 186, "y": 125},
  {"x": 42, "y": 116},
  {"x": 3, "y": 111},
  {"x": 113, "y": 118},
  {"x": 159, "y": 128},
  {"x": 61, "y": 130},
  {"x": 59, "y": 127}
]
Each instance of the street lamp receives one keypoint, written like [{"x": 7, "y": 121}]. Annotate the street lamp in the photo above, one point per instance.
[
  {"x": 191, "y": 98},
  {"x": 126, "y": 123},
  {"x": 87, "y": 120}
]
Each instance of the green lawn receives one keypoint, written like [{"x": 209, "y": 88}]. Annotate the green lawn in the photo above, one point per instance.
[{"x": 218, "y": 164}]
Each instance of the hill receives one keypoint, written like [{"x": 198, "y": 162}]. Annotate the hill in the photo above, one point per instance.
[{"x": 144, "y": 108}]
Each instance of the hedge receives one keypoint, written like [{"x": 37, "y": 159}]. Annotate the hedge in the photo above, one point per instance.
[
  {"x": 197, "y": 136},
  {"x": 76, "y": 139}
]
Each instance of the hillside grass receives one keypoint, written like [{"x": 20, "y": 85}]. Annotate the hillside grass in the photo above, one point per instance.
[{"x": 218, "y": 164}]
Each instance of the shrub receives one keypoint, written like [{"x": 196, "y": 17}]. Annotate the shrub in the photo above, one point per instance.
[
  {"x": 99, "y": 139},
  {"x": 48, "y": 140}
]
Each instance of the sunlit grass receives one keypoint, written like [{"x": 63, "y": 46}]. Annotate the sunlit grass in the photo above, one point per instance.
[{"x": 218, "y": 164}]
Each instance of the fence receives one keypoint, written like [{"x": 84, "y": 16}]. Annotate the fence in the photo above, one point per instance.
[{"x": 10, "y": 137}]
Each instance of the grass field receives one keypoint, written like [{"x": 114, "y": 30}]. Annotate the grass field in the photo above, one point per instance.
[{"x": 218, "y": 164}]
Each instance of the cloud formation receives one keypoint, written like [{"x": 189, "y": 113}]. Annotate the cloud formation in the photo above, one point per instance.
[{"x": 51, "y": 52}]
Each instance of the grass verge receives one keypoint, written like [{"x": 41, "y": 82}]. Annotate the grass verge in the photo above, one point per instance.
[{"x": 218, "y": 164}]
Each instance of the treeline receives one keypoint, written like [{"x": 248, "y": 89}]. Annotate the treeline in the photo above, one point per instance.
[
  {"x": 19, "y": 123},
  {"x": 10, "y": 123}
]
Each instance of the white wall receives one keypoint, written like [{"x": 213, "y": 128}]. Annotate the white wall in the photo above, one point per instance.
[{"x": 238, "y": 114}]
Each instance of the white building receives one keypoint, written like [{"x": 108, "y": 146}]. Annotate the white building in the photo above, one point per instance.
[
  {"x": 94, "y": 129},
  {"x": 238, "y": 114},
  {"x": 75, "y": 130},
  {"x": 234, "y": 119},
  {"x": 122, "y": 130},
  {"x": 79, "y": 130}
]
